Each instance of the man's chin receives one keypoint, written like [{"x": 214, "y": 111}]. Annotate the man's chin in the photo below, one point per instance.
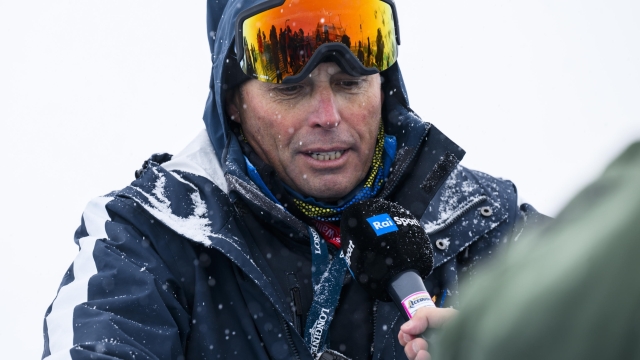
[{"x": 327, "y": 192}]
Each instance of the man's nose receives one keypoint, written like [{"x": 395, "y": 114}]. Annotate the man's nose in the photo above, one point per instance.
[{"x": 325, "y": 114}]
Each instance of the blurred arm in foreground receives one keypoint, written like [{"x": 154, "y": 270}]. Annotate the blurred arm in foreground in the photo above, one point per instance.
[{"x": 571, "y": 294}]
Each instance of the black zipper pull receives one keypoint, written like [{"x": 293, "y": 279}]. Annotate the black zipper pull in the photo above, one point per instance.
[
  {"x": 296, "y": 301},
  {"x": 297, "y": 308}
]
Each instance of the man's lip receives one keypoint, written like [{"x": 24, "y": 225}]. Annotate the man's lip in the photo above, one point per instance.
[
  {"x": 327, "y": 163},
  {"x": 324, "y": 150}
]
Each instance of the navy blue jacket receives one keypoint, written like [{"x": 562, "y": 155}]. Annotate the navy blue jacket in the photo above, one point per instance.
[{"x": 174, "y": 265}]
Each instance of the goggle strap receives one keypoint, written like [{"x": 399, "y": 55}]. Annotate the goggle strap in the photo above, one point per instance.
[{"x": 337, "y": 53}]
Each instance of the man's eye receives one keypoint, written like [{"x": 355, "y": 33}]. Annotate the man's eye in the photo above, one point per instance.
[
  {"x": 349, "y": 84},
  {"x": 289, "y": 90}
]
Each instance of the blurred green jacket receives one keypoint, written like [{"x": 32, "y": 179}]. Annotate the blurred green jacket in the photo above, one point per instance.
[{"x": 569, "y": 291}]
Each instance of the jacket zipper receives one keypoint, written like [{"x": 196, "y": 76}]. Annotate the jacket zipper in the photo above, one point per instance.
[
  {"x": 375, "y": 317},
  {"x": 458, "y": 214},
  {"x": 289, "y": 338}
]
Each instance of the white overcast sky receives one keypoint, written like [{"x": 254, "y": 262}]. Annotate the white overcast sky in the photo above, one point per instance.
[{"x": 544, "y": 93}]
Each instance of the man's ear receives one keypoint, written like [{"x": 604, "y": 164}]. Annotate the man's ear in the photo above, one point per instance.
[{"x": 231, "y": 105}]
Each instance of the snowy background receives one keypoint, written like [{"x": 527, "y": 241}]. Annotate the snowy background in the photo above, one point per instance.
[{"x": 544, "y": 93}]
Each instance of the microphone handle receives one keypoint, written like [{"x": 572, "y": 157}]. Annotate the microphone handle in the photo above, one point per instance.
[{"x": 409, "y": 294}]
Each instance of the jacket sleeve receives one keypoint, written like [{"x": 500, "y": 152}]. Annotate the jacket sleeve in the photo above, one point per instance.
[{"x": 118, "y": 298}]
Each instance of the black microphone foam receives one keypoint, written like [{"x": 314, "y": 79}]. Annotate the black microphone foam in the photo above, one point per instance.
[{"x": 381, "y": 240}]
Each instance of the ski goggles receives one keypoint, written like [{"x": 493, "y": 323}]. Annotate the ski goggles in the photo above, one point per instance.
[{"x": 284, "y": 40}]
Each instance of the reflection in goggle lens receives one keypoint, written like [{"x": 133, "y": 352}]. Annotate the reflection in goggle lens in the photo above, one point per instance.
[{"x": 279, "y": 42}]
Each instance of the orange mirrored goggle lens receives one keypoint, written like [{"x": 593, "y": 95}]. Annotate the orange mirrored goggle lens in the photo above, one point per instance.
[{"x": 280, "y": 41}]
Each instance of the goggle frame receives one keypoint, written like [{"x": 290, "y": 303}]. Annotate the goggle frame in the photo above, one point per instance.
[{"x": 327, "y": 47}]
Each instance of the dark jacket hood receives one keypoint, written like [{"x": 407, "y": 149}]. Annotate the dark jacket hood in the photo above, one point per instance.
[{"x": 221, "y": 22}]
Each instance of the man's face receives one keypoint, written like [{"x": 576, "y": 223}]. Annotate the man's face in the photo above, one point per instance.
[{"x": 319, "y": 135}]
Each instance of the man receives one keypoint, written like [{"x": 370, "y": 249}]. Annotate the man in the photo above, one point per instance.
[{"x": 228, "y": 249}]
